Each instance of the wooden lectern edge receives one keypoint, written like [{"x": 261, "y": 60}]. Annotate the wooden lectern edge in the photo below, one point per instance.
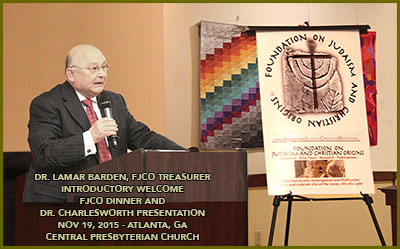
[{"x": 158, "y": 150}]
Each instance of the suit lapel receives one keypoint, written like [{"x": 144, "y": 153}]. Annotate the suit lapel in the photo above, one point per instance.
[{"x": 74, "y": 106}]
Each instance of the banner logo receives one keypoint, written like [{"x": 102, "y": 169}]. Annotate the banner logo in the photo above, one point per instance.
[{"x": 312, "y": 82}]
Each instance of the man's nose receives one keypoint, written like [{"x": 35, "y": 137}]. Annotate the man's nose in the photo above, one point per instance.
[{"x": 102, "y": 73}]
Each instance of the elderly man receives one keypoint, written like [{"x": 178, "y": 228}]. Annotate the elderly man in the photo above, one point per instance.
[{"x": 67, "y": 132}]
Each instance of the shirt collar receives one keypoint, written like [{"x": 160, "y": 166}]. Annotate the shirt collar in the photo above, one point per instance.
[{"x": 82, "y": 98}]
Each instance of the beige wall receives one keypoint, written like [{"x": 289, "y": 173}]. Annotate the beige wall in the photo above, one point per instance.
[
  {"x": 38, "y": 36},
  {"x": 326, "y": 223}
]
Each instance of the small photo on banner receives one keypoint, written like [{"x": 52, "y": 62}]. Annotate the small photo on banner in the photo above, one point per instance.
[
  {"x": 229, "y": 87},
  {"x": 369, "y": 72}
]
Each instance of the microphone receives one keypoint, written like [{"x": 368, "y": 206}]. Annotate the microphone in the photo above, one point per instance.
[{"x": 105, "y": 106}]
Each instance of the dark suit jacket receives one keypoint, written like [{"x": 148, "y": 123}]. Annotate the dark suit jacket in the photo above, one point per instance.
[{"x": 57, "y": 121}]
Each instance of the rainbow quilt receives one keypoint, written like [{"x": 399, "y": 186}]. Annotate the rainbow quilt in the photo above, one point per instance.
[
  {"x": 229, "y": 88},
  {"x": 369, "y": 72}
]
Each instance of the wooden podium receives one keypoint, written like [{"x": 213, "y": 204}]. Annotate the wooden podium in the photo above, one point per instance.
[{"x": 222, "y": 200}]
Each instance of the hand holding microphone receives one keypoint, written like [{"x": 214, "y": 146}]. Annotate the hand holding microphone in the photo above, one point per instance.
[
  {"x": 103, "y": 128},
  {"x": 107, "y": 125}
]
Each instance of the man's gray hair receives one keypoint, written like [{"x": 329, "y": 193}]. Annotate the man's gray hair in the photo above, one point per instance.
[{"x": 67, "y": 61}]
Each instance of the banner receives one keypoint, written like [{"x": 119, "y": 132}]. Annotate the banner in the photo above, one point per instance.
[
  {"x": 369, "y": 72},
  {"x": 313, "y": 110}
]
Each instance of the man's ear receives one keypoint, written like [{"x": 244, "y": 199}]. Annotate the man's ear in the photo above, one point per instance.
[{"x": 70, "y": 75}]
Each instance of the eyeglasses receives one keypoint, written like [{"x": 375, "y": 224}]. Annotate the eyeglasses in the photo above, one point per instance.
[{"x": 95, "y": 69}]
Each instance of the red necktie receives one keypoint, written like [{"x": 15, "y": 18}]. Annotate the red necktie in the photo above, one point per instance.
[{"x": 104, "y": 153}]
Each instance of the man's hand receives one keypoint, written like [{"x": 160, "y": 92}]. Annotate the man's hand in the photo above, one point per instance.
[{"x": 103, "y": 128}]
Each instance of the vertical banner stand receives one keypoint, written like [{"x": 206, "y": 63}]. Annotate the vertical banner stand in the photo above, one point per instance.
[{"x": 291, "y": 198}]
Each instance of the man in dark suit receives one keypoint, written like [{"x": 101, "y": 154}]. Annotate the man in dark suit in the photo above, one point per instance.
[{"x": 65, "y": 136}]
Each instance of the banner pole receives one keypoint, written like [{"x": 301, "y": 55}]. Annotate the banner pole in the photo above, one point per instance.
[
  {"x": 276, "y": 203},
  {"x": 289, "y": 214},
  {"x": 368, "y": 200}
]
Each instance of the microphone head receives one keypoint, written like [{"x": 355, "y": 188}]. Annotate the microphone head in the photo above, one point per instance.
[{"x": 104, "y": 101}]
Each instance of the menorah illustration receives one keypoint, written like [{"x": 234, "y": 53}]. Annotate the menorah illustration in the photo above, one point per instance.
[{"x": 311, "y": 81}]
